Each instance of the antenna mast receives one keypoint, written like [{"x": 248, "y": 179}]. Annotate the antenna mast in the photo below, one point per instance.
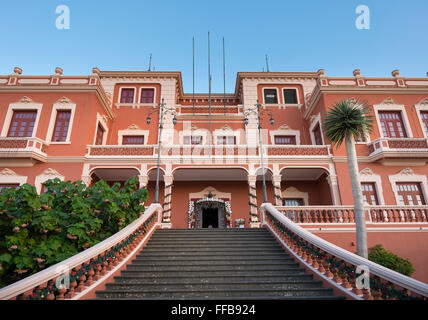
[
  {"x": 267, "y": 64},
  {"x": 193, "y": 59},
  {"x": 209, "y": 87},
  {"x": 224, "y": 78},
  {"x": 150, "y": 63}
]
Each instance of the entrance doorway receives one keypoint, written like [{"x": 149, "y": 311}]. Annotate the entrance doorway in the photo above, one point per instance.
[{"x": 210, "y": 218}]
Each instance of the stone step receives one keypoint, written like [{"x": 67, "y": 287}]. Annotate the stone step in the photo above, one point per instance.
[
  {"x": 307, "y": 293},
  {"x": 212, "y": 252},
  {"x": 211, "y": 246},
  {"x": 215, "y": 285},
  {"x": 211, "y": 270},
  {"x": 208, "y": 262},
  {"x": 204, "y": 230},
  {"x": 213, "y": 238},
  {"x": 135, "y": 277}
]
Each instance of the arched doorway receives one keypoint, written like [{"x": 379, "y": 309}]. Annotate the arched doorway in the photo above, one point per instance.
[{"x": 210, "y": 213}]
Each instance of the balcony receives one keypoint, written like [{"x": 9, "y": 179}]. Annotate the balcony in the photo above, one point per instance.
[
  {"x": 22, "y": 151},
  {"x": 345, "y": 214},
  {"x": 394, "y": 150}
]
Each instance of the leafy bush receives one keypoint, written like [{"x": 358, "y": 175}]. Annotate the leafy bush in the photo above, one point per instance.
[
  {"x": 391, "y": 261},
  {"x": 37, "y": 231}
]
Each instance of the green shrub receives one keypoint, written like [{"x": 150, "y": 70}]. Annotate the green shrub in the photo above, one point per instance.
[
  {"x": 391, "y": 261},
  {"x": 37, "y": 231}
]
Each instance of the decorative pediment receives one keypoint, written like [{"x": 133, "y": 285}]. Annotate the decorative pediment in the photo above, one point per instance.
[
  {"x": 388, "y": 101},
  {"x": 133, "y": 127},
  {"x": 367, "y": 172},
  {"x": 284, "y": 127},
  {"x": 26, "y": 99},
  {"x": 226, "y": 128},
  {"x": 51, "y": 173},
  {"x": 423, "y": 102},
  {"x": 7, "y": 172},
  {"x": 407, "y": 172},
  {"x": 64, "y": 100},
  {"x": 209, "y": 191},
  {"x": 193, "y": 127}
]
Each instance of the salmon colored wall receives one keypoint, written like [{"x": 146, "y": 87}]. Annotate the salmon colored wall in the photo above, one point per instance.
[
  {"x": 84, "y": 123},
  {"x": 344, "y": 180},
  {"x": 180, "y": 199},
  {"x": 318, "y": 191},
  {"x": 408, "y": 245},
  {"x": 71, "y": 171}
]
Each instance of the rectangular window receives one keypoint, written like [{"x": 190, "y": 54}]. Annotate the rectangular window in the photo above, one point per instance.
[
  {"x": 290, "y": 96},
  {"x": 285, "y": 139},
  {"x": 61, "y": 125},
  {"x": 292, "y": 202},
  {"x": 8, "y": 185},
  {"x": 270, "y": 96},
  {"x": 22, "y": 123},
  {"x": 127, "y": 95},
  {"x": 410, "y": 194},
  {"x": 147, "y": 96},
  {"x": 100, "y": 135},
  {"x": 226, "y": 140},
  {"x": 424, "y": 116},
  {"x": 392, "y": 124},
  {"x": 369, "y": 193},
  {"x": 192, "y": 140},
  {"x": 127, "y": 140},
  {"x": 317, "y": 135}
]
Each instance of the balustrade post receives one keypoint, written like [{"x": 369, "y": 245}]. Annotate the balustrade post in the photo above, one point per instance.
[{"x": 276, "y": 182}]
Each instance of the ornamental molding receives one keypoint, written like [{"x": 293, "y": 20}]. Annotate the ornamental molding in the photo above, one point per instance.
[
  {"x": 423, "y": 102},
  {"x": 388, "y": 101},
  {"x": 26, "y": 99},
  {"x": 226, "y": 128},
  {"x": 51, "y": 173},
  {"x": 133, "y": 127},
  {"x": 7, "y": 172},
  {"x": 64, "y": 100},
  {"x": 367, "y": 172},
  {"x": 407, "y": 172}
]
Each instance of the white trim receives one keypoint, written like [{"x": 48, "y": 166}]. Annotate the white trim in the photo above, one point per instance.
[
  {"x": 19, "y": 106},
  {"x": 193, "y": 132},
  {"x": 407, "y": 175},
  {"x": 316, "y": 120},
  {"x": 69, "y": 105},
  {"x": 421, "y": 107},
  {"x": 120, "y": 95},
  {"x": 367, "y": 175},
  {"x": 8, "y": 176},
  {"x": 292, "y": 192},
  {"x": 226, "y": 131},
  {"x": 284, "y": 132},
  {"x": 297, "y": 96},
  {"x": 277, "y": 96},
  {"x": 45, "y": 176},
  {"x": 140, "y": 94},
  {"x": 132, "y": 132},
  {"x": 101, "y": 120},
  {"x": 392, "y": 107}
]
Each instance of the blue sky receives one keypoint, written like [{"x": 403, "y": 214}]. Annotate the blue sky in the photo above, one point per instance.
[{"x": 299, "y": 35}]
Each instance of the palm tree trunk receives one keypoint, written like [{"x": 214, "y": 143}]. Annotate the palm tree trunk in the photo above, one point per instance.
[{"x": 360, "y": 219}]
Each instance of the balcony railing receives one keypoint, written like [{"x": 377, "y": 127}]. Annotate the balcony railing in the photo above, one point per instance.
[
  {"x": 14, "y": 147},
  {"x": 208, "y": 151},
  {"x": 398, "y": 148},
  {"x": 345, "y": 214}
]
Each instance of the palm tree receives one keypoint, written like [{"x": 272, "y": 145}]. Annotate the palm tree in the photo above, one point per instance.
[{"x": 346, "y": 121}]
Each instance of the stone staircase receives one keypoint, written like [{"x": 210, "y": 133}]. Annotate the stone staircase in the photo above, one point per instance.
[{"x": 214, "y": 264}]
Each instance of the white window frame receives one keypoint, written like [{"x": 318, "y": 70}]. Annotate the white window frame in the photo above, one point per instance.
[
  {"x": 132, "y": 132},
  {"x": 422, "y": 106},
  {"x": 297, "y": 95},
  {"x": 392, "y": 107},
  {"x": 8, "y": 176},
  {"x": 196, "y": 132},
  {"x": 277, "y": 96},
  {"x": 292, "y": 192},
  {"x": 20, "y": 106},
  {"x": 140, "y": 92},
  {"x": 317, "y": 120},
  {"x": 45, "y": 176},
  {"x": 120, "y": 96},
  {"x": 226, "y": 132},
  {"x": 60, "y": 106},
  {"x": 284, "y": 132},
  {"x": 100, "y": 120},
  {"x": 368, "y": 176},
  {"x": 407, "y": 175}
]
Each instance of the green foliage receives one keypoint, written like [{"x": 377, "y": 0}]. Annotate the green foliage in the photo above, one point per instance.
[
  {"x": 347, "y": 118},
  {"x": 391, "y": 261},
  {"x": 37, "y": 231}
]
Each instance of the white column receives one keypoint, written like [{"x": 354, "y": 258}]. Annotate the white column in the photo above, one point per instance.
[
  {"x": 166, "y": 221},
  {"x": 143, "y": 179},
  {"x": 254, "y": 219},
  {"x": 334, "y": 189},
  {"x": 276, "y": 182}
]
